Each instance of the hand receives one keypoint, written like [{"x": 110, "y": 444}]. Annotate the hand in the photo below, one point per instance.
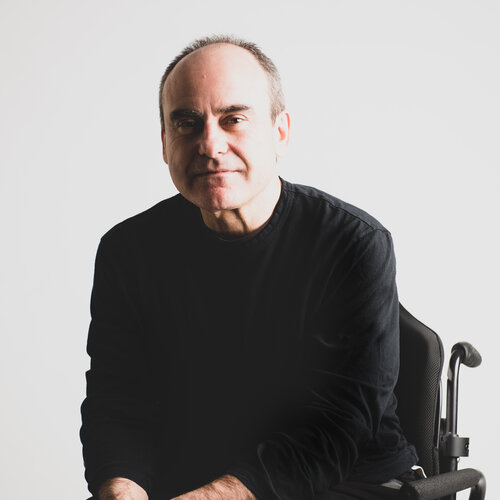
[
  {"x": 121, "y": 488},
  {"x": 225, "y": 488}
]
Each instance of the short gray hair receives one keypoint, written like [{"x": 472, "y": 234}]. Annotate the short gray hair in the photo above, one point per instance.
[{"x": 276, "y": 91}]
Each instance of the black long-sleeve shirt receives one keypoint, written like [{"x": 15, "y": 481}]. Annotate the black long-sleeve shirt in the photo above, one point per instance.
[{"x": 272, "y": 357}]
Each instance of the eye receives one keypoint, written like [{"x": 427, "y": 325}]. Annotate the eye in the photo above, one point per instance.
[
  {"x": 183, "y": 124},
  {"x": 233, "y": 120},
  {"x": 187, "y": 125}
]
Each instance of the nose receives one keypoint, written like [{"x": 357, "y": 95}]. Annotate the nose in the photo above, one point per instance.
[{"x": 213, "y": 141}]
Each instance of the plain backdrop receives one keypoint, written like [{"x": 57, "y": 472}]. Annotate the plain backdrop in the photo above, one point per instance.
[{"x": 395, "y": 108}]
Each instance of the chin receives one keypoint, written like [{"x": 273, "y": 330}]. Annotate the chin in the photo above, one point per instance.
[
  {"x": 217, "y": 205},
  {"x": 219, "y": 199}
]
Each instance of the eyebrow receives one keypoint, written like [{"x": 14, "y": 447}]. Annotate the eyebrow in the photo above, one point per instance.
[
  {"x": 234, "y": 108},
  {"x": 192, "y": 113},
  {"x": 184, "y": 113}
]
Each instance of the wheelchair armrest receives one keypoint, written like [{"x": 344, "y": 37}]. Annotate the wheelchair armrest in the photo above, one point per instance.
[{"x": 445, "y": 484}]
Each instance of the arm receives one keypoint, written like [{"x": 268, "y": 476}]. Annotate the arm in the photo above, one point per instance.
[
  {"x": 121, "y": 488},
  {"x": 116, "y": 413},
  {"x": 353, "y": 356},
  {"x": 224, "y": 488}
]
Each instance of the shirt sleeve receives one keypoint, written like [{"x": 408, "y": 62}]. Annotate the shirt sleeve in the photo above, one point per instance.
[
  {"x": 116, "y": 413},
  {"x": 353, "y": 353}
]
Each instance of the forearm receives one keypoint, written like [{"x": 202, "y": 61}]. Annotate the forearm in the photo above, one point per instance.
[
  {"x": 120, "y": 488},
  {"x": 224, "y": 488}
]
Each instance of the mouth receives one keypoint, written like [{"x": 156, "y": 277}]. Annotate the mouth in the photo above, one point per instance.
[{"x": 214, "y": 173}]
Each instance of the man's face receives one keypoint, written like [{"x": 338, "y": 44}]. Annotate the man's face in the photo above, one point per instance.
[{"x": 219, "y": 141}]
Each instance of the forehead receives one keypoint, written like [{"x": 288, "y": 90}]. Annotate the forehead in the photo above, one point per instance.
[{"x": 217, "y": 75}]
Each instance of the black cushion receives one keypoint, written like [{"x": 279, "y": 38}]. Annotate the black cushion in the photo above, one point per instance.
[{"x": 418, "y": 388}]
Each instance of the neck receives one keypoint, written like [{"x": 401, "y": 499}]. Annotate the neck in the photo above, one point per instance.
[{"x": 248, "y": 219}]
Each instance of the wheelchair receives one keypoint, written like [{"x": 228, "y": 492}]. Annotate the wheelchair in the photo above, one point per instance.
[{"x": 418, "y": 391}]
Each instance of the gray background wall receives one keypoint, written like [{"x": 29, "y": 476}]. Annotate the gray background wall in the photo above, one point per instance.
[{"x": 395, "y": 107}]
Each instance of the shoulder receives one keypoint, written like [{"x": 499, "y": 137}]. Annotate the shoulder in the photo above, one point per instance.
[
  {"x": 330, "y": 213},
  {"x": 157, "y": 222}
]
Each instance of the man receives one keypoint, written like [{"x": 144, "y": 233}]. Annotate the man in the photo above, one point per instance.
[{"x": 244, "y": 334}]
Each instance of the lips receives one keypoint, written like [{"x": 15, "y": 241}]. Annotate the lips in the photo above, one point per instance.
[
  {"x": 206, "y": 168},
  {"x": 214, "y": 172}
]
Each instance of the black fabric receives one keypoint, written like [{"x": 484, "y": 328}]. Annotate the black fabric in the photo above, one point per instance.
[
  {"x": 273, "y": 358},
  {"x": 352, "y": 490},
  {"x": 418, "y": 388}
]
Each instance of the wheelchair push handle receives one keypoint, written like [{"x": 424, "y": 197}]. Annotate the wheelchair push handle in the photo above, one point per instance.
[
  {"x": 469, "y": 355},
  {"x": 451, "y": 444}
]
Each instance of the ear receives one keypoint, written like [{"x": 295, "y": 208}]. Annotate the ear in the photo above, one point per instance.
[
  {"x": 282, "y": 126},
  {"x": 164, "y": 147}
]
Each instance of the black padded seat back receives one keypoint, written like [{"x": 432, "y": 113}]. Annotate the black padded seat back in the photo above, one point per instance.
[{"x": 418, "y": 388}]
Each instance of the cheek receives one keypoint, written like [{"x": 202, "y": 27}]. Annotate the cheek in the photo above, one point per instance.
[
  {"x": 256, "y": 148},
  {"x": 177, "y": 157},
  {"x": 178, "y": 145},
  {"x": 177, "y": 174},
  {"x": 262, "y": 153}
]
